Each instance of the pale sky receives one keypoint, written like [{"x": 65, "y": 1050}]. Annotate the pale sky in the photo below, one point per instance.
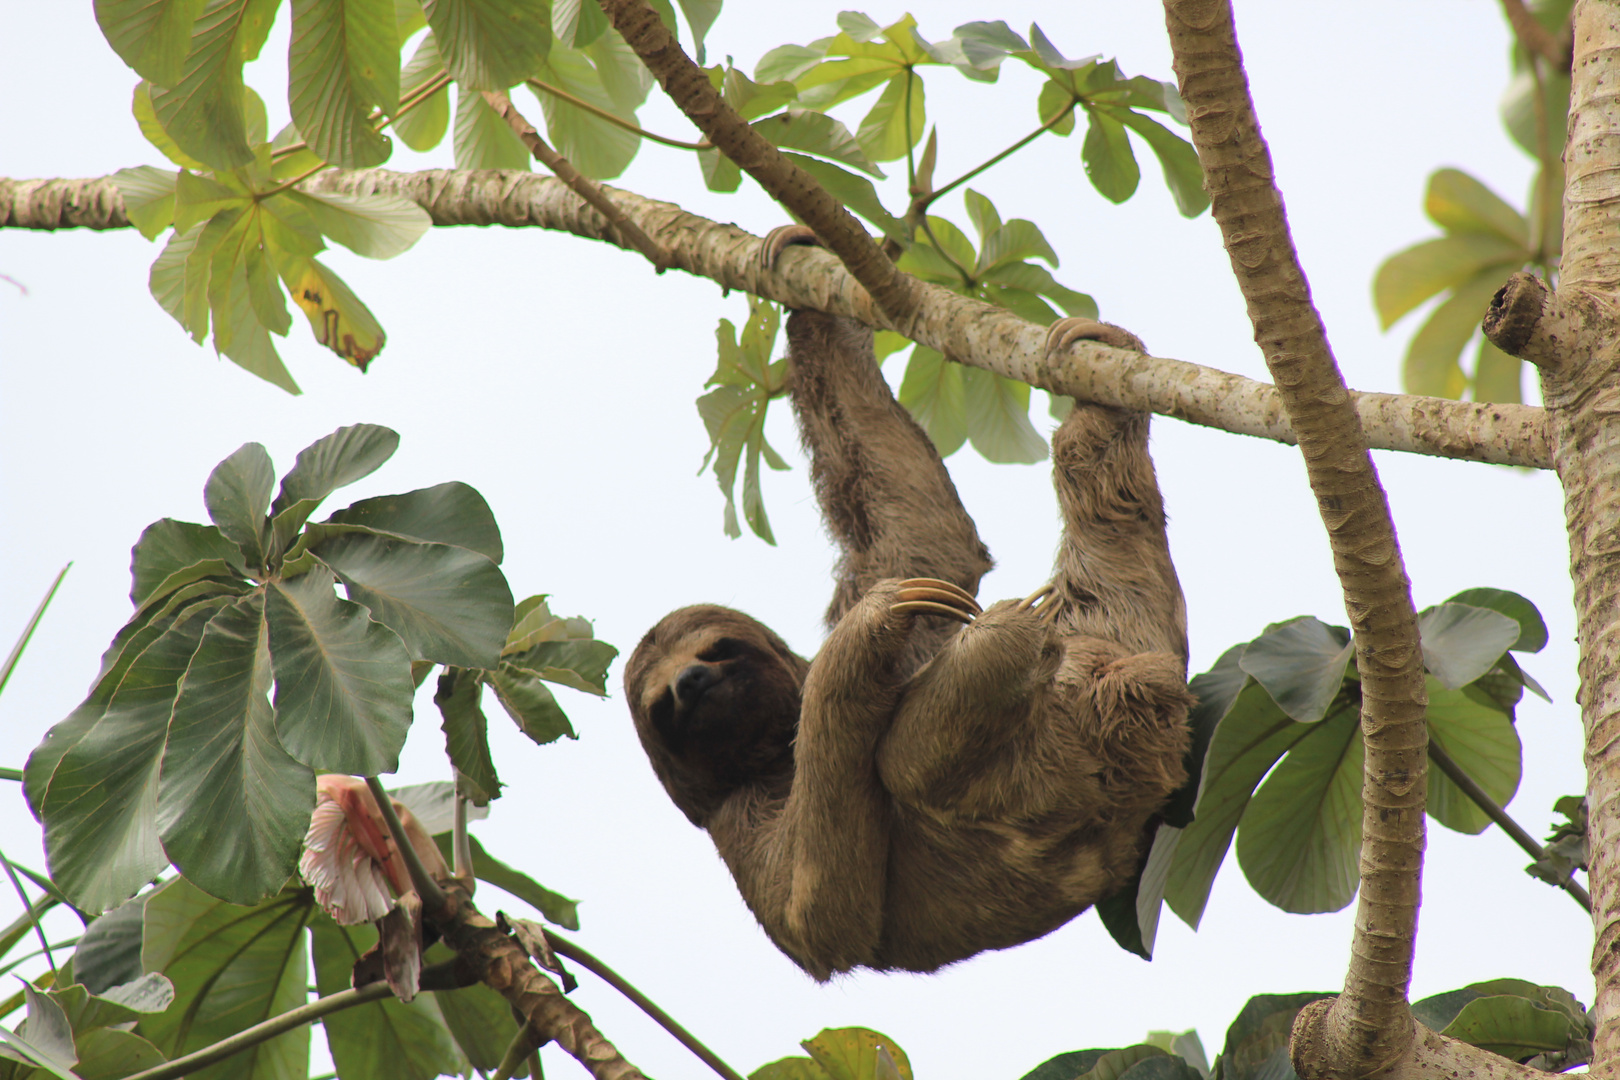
[{"x": 557, "y": 376}]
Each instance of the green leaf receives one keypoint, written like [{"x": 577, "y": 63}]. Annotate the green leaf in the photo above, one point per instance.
[
  {"x": 109, "y": 1054},
  {"x": 423, "y": 127},
  {"x": 1481, "y": 740},
  {"x": 1532, "y": 630},
  {"x": 896, "y": 123},
  {"x": 721, "y": 174},
  {"x": 338, "y": 318},
  {"x": 449, "y": 513},
  {"x": 109, "y": 951},
  {"x": 203, "y": 112},
  {"x": 148, "y": 195},
  {"x": 1461, "y": 643},
  {"x": 171, "y": 553},
  {"x": 1409, "y": 277},
  {"x": 451, "y": 605},
  {"x": 1458, "y": 203},
  {"x": 1519, "y": 111},
  {"x": 933, "y": 392},
  {"x": 531, "y": 705},
  {"x": 44, "y": 1038},
  {"x": 998, "y": 418},
  {"x": 581, "y": 664},
  {"x": 1251, "y": 735},
  {"x": 1301, "y": 833},
  {"x": 789, "y": 1068},
  {"x": 1107, "y": 156},
  {"x": 386, "y": 1038},
  {"x": 482, "y": 139},
  {"x": 1517, "y": 1026},
  {"x": 1301, "y": 663},
  {"x": 466, "y": 732},
  {"x": 1431, "y": 365},
  {"x": 434, "y": 804},
  {"x": 1037, "y": 279},
  {"x": 595, "y": 147},
  {"x": 343, "y": 682},
  {"x": 856, "y": 1053},
  {"x": 125, "y": 1004},
  {"x": 241, "y": 337},
  {"x": 982, "y": 212},
  {"x": 554, "y": 906},
  {"x": 268, "y": 302},
  {"x": 152, "y": 38},
  {"x": 1183, "y": 175},
  {"x": 100, "y": 808},
  {"x": 1055, "y": 99},
  {"x": 1014, "y": 242},
  {"x": 700, "y": 16},
  {"x": 233, "y": 806},
  {"x": 376, "y": 226},
  {"x": 152, "y": 131},
  {"x": 1498, "y": 377},
  {"x": 816, "y": 133},
  {"x": 237, "y": 496},
  {"x": 333, "y": 461},
  {"x": 343, "y": 59},
  {"x": 1131, "y": 915},
  {"x": 232, "y": 967},
  {"x": 577, "y": 23},
  {"x": 490, "y": 44}
]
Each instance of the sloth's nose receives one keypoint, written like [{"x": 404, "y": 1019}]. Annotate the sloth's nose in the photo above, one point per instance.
[{"x": 692, "y": 682}]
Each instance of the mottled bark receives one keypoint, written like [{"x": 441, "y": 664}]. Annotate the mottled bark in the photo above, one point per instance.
[
  {"x": 689, "y": 88},
  {"x": 973, "y": 332},
  {"x": 1369, "y": 1025},
  {"x": 1573, "y": 335}
]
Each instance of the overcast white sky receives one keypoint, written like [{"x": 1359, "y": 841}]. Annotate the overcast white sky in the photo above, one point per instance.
[{"x": 557, "y": 376}]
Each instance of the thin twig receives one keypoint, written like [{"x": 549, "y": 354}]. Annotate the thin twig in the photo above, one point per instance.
[
  {"x": 1448, "y": 765},
  {"x": 33, "y": 624},
  {"x": 999, "y": 158},
  {"x": 269, "y": 1029},
  {"x": 1536, "y": 39},
  {"x": 433, "y": 898},
  {"x": 28, "y": 905},
  {"x": 563, "y": 947},
  {"x": 616, "y": 120},
  {"x": 585, "y": 188}
]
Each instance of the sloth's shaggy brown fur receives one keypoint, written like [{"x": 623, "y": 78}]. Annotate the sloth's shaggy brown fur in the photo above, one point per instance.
[{"x": 923, "y": 791}]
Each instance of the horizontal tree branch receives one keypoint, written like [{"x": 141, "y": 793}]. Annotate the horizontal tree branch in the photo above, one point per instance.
[
  {"x": 1431, "y": 1056},
  {"x": 962, "y": 328}
]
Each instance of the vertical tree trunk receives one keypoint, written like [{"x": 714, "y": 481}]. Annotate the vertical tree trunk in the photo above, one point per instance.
[{"x": 1573, "y": 336}]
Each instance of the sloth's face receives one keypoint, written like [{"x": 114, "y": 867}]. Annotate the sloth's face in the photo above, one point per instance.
[{"x": 715, "y": 697}]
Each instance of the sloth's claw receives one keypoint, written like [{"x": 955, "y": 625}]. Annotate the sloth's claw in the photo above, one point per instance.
[
  {"x": 1065, "y": 332},
  {"x": 931, "y": 596},
  {"x": 780, "y": 239},
  {"x": 1037, "y": 596}
]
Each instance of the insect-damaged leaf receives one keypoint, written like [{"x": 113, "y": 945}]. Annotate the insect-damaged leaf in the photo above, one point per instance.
[{"x": 338, "y": 318}]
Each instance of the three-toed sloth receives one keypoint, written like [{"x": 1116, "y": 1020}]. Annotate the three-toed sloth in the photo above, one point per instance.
[{"x": 925, "y": 790}]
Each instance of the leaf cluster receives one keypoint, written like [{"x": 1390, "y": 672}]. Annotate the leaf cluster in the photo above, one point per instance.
[
  {"x": 242, "y": 673},
  {"x": 1277, "y": 758}
]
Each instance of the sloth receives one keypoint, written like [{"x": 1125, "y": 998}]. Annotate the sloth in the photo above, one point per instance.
[{"x": 941, "y": 779}]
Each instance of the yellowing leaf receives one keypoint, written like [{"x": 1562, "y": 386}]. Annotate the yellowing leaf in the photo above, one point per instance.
[{"x": 338, "y": 318}]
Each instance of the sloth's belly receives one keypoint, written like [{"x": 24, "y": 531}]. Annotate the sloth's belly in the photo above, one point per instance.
[{"x": 960, "y": 888}]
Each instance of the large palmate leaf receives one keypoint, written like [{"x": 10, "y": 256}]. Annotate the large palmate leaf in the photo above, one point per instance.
[
  {"x": 596, "y": 147},
  {"x": 232, "y": 967},
  {"x": 343, "y": 59},
  {"x": 225, "y": 774},
  {"x": 744, "y": 381},
  {"x": 152, "y": 38},
  {"x": 387, "y": 1039},
  {"x": 99, "y": 804},
  {"x": 1301, "y": 833},
  {"x": 335, "y": 461},
  {"x": 204, "y": 110},
  {"x": 449, "y": 604},
  {"x": 490, "y": 44},
  {"x": 451, "y": 513},
  {"x": 343, "y": 681}
]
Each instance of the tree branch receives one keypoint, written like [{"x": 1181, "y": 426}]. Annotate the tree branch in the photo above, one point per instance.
[
  {"x": 1369, "y": 1025},
  {"x": 689, "y": 88},
  {"x": 258, "y": 1033},
  {"x": 968, "y": 330},
  {"x": 585, "y": 188},
  {"x": 1537, "y": 40},
  {"x": 1430, "y": 1056}
]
